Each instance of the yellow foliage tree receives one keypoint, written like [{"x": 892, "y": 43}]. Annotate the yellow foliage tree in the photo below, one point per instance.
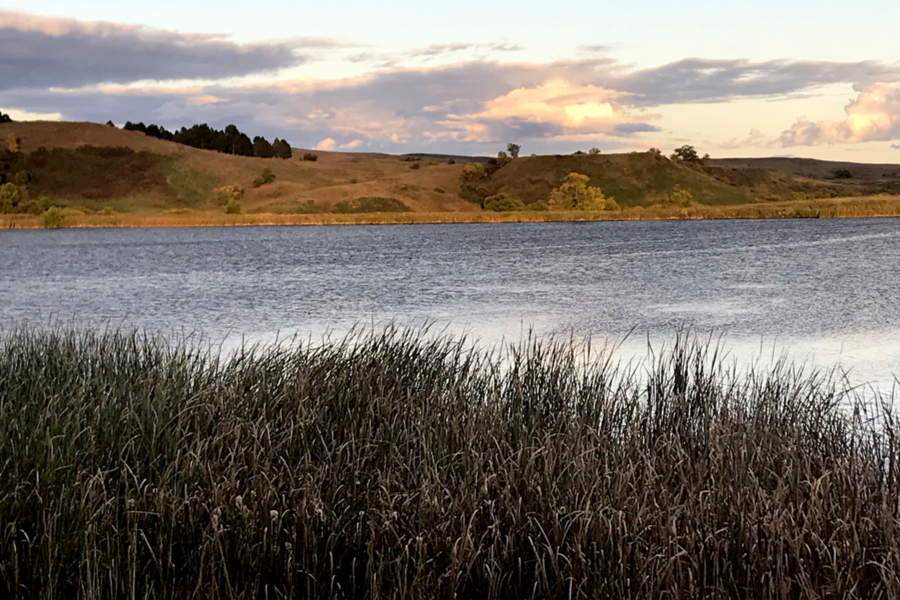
[
  {"x": 575, "y": 194},
  {"x": 12, "y": 142}
]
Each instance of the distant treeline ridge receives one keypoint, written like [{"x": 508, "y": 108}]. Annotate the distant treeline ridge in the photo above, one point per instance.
[{"x": 229, "y": 141}]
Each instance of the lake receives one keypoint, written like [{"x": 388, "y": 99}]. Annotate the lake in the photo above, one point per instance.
[{"x": 822, "y": 291}]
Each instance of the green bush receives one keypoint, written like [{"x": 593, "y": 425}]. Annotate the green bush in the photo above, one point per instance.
[
  {"x": 503, "y": 202},
  {"x": 10, "y": 198},
  {"x": 53, "y": 218},
  {"x": 310, "y": 157},
  {"x": 265, "y": 178},
  {"x": 233, "y": 206}
]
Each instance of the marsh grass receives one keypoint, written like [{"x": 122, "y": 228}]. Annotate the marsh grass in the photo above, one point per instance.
[
  {"x": 395, "y": 464},
  {"x": 310, "y": 213}
]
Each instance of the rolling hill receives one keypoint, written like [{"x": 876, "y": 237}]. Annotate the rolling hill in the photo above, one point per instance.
[{"x": 99, "y": 167}]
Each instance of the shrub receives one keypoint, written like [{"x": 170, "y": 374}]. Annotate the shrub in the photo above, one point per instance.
[
  {"x": 414, "y": 166},
  {"x": 265, "y": 178},
  {"x": 681, "y": 197},
  {"x": 310, "y": 157},
  {"x": 451, "y": 162},
  {"x": 228, "y": 193},
  {"x": 233, "y": 206},
  {"x": 10, "y": 198},
  {"x": 53, "y": 218},
  {"x": 503, "y": 202}
]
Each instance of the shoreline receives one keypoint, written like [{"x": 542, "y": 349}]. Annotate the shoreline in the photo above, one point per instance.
[{"x": 836, "y": 208}]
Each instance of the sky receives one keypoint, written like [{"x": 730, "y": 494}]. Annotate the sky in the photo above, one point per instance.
[{"x": 800, "y": 78}]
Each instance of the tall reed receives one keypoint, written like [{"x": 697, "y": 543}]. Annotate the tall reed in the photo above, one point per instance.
[{"x": 395, "y": 464}]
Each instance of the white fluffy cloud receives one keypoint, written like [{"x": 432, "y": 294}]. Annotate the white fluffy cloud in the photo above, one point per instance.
[
  {"x": 874, "y": 116},
  {"x": 326, "y": 145}
]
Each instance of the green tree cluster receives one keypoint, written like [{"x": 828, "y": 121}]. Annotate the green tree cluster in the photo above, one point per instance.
[
  {"x": 575, "y": 194},
  {"x": 4, "y": 118},
  {"x": 228, "y": 141}
]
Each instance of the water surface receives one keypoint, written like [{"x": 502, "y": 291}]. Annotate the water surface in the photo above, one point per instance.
[{"x": 825, "y": 291}]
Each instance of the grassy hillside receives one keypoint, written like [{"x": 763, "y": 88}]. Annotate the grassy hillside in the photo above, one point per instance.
[
  {"x": 177, "y": 176},
  {"x": 636, "y": 179},
  {"x": 99, "y": 168}
]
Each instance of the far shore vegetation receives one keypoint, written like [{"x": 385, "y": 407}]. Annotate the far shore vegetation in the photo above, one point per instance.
[
  {"x": 405, "y": 465},
  {"x": 89, "y": 175},
  {"x": 55, "y": 217}
]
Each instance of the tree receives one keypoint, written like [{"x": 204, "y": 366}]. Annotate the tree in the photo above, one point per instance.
[
  {"x": 12, "y": 142},
  {"x": 262, "y": 148},
  {"x": 594, "y": 152},
  {"x": 686, "y": 154},
  {"x": 575, "y": 194},
  {"x": 282, "y": 149},
  {"x": 5, "y": 118},
  {"x": 513, "y": 149}
]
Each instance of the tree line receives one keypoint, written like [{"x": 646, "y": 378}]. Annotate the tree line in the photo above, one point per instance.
[
  {"x": 5, "y": 118},
  {"x": 228, "y": 141}
]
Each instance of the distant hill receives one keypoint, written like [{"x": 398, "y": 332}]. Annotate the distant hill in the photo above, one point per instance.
[
  {"x": 98, "y": 166},
  {"x": 782, "y": 178}
]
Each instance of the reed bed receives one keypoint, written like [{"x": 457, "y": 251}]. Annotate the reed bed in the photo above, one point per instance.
[
  {"x": 830, "y": 208},
  {"x": 397, "y": 464}
]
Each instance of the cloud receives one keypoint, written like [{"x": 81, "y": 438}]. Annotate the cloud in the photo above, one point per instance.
[
  {"x": 555, "y": 107},
  {"x": 874, "y": 116},
  {"x": 895, "y": 146},
  {"x": 754, "y": 138},
  {"x": 352, "y": 144},
  {"x": 41, "y": 52},
  {"x": 438, "y": 49},
  {"x": 450, "y": 106},
  {"x": 327, "y": 145},
  {"x": 703, "y": 80},
  {"x": 594, "y": 49}
]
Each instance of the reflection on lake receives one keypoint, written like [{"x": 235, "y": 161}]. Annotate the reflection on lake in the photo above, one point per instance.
[{"x": 824, "y": 291}]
